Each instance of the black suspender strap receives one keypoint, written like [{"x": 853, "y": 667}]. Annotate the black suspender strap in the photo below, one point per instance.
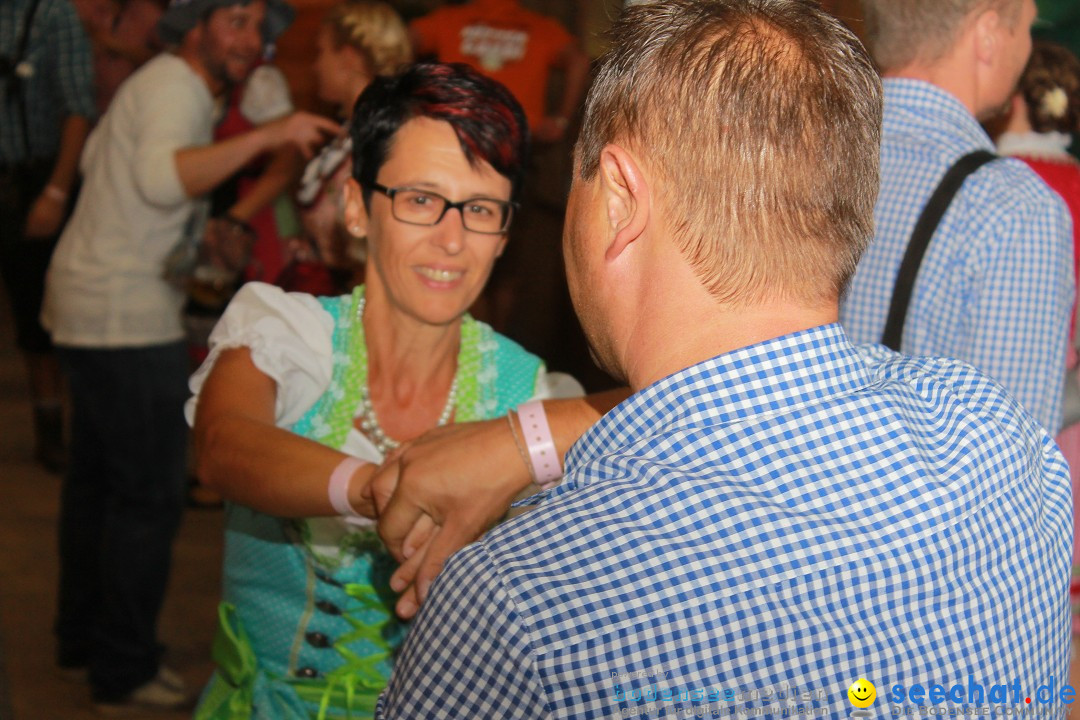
[
  {"x": 920, "y": 240},
  {"x": 15, "y": 83},
  {"x": 24, "y": 32}
]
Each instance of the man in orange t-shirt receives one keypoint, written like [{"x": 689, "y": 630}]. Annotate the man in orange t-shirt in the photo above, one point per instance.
[{"x": 515, "y": 46}]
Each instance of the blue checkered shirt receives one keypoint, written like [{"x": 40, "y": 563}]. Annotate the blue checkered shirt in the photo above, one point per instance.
[
  {"x": 793, "y": 515},
  {"x": 61, "y": 83},
  {"x": 996, "y": 286}
]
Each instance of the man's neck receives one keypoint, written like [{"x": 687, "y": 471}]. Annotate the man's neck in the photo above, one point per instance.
[
  {"x": 956, "y": 74},
  {"x": 216, "y": 87},
  {"x": 962, "y": 91},
  {"x": 677, "y": 328}
]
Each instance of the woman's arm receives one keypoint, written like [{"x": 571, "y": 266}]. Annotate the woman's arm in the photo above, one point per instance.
[{"x": 244, "y": 456}]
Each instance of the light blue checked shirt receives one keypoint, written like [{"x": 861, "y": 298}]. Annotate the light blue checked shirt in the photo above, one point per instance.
[
  {"x": 61, "y": 83},
  {"x": 996, "y": 286},
  {"x": 796, "y": 514}
]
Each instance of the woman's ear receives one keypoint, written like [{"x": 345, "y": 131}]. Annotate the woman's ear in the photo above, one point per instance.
[{"x": 355, "y": 215}]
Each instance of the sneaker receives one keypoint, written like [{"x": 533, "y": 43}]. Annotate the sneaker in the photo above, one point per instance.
[{"x": 165, "y": 691}]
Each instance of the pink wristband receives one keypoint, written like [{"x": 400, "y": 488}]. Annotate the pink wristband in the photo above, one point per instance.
[
  {"x": 338, "y": 489},
  {"x": 542, "y": 453}
]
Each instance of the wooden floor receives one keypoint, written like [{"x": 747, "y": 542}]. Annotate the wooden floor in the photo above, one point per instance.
[{"x": 29, "y": 498}]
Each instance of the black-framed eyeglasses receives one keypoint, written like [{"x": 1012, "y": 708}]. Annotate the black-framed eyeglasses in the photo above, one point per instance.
[{"x": 423, "y": 207}]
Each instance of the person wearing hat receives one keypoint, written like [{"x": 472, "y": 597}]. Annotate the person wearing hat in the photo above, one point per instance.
[{"x": 116, "y": 322}]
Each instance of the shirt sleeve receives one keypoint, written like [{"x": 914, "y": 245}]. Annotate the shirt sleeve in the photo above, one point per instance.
[
  {"x": 469, "y": 654},
  {"x": 289, "y": 335},
  {"x": 169, "y": 113},
  {"x": 1021, "y": 314},
  {"x": 266, "y": 95},
  {"x": 74, "y": 64}
]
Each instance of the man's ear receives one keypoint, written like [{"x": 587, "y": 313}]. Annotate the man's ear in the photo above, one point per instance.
[
  {"x": 356, "y": 217},
  {"x": 987, "y": 27},
  {"x": 626, "y": 198}
]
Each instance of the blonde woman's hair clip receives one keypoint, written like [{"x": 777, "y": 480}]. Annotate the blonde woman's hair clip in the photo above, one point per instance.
[{"x": 1055, "y": 103}]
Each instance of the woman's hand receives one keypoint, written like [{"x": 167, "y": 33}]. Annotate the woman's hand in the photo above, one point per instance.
[
  {"x": 440, "y": 493},
  {"x": 444, "y": 490}
]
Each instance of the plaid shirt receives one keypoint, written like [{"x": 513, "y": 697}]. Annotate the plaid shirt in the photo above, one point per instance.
[
  {"x": 61, "y": 84},
  {"x": 996, "y": 286},
  {"x": 779, "y": 520}
]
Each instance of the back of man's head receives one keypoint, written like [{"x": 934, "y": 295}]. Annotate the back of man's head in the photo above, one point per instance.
[
  {"x": 904, "y": 32},
  {"x": 761, "y": 120}
]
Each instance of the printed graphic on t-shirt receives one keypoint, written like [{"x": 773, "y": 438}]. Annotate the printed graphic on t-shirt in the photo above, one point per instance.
[{"x": 493, "y": 47}]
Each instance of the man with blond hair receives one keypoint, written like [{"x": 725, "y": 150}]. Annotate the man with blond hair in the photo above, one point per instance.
[
  {"x": 994, "y": 287},
  {"x": 773, "y": 508}
]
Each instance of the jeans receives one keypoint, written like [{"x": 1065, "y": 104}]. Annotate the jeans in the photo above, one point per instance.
[{"x": 120, "y": 508}]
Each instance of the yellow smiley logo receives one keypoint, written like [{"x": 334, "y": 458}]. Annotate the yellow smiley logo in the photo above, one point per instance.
[{"x": 862, "y": 693}]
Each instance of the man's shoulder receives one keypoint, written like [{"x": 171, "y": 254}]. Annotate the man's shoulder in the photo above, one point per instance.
[
  {"x": 60, "y": 14},
  {"x": 1016, "y": 180},
  {"x": 165, "y": 80},
  {"x": 1004, "y": 187},
  {"x": 971, "y": 393},
  {"x": 1007, "y": 199},
  {"x": 162, "y": 65}
]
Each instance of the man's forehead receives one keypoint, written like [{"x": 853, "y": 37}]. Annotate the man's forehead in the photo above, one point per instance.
[{"x": 240, "y": 9}]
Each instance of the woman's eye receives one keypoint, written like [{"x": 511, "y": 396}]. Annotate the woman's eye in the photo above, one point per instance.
[{"x": 480, "y": 209}]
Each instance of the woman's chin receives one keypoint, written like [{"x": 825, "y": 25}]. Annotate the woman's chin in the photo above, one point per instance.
[{"x": 435, "y": 312}]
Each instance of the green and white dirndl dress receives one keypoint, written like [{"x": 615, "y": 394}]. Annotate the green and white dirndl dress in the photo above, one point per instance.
[{"x": 306, "y": 627}]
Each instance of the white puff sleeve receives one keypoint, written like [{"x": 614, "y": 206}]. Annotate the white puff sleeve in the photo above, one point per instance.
[
  {"x": 266, "y": 95},
  {"x": 290, "y": 338},
  {"x": 555, "y": 385}
]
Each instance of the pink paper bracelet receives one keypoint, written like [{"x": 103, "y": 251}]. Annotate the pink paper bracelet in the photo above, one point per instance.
[
  {"x": 542, "y": 453},
  {"x": 338, "y": 489}
]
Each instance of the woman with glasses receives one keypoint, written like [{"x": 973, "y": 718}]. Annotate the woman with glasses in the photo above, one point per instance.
[{"x": 302, "y": 397}]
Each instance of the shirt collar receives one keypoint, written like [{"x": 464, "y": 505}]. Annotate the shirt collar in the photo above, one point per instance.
[
  {"x": 919, "y": 107},
  {"x": 766, "y": 378},
  {"x": 1041, "y": 146}
]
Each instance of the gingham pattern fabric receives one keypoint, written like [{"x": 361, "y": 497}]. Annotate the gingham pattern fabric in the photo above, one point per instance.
[
  {"x": 61, "y": 84},
  {"x": 996, "y": 286},
  {"x": 797, "y": 514}
]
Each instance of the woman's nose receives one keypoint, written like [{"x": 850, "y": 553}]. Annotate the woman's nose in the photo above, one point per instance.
[{"x": 450, "y": 232}]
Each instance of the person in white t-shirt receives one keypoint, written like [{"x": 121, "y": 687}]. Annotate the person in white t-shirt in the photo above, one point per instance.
[{"x": 116, "y": 323}]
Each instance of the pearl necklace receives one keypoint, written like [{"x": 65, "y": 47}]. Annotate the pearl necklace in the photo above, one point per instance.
[{"x": 369, "y": 422}]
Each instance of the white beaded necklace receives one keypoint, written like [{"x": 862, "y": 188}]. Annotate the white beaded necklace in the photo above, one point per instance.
[{"x": 369, "y": 422}]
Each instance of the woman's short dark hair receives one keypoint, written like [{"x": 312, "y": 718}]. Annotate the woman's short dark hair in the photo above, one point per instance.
[{"x": 488, "y": 121}]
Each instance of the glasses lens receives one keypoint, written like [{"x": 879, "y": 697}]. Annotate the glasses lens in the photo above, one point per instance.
[
  {"x": 417, "y": 206},
  {"x": 485, "y": 216},
  {"x": 481, "y": 215}
]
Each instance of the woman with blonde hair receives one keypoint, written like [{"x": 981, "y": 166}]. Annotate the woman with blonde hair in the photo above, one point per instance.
[{"x": 358, "y": 41}]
